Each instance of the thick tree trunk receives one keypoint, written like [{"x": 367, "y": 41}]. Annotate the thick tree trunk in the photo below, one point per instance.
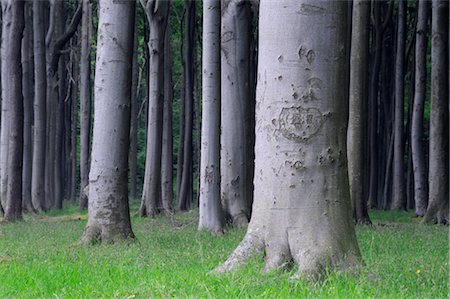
[
  {"x": 438, "y": 207},
  {"x": 167, "y": 142},
  {"x": 109, "y": 215},
  {"x": 302, "y": 202},
  {"x": 398, "y": 188},
  {"x": 235, "y": 76},
  {"x": 210, "y": 209},
  {"x": 85, "y": 101},
  {"x": 185, "y": 195},
  {"x": 40, "y": 116},
  {"x": 12, "y": 90},
  {"x": 359, "y": 63},
  {"x": 417, "y": 129},
  {"x": 27, "y": 92},
  {"x": 157, "y": 13}
]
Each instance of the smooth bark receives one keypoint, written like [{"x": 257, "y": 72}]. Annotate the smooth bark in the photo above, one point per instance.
[
  {"x": 108, "y": 211},
  {"x": 210, "y": 208},
  {"x": 438, "y": 177},
  {"x": 417, "y": 126},
  {"x": 358, "y": 98},
  {"x": 302, "y": 209}
]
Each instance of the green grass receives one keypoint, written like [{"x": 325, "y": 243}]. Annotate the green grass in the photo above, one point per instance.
[{"x": 39, "y": 258}]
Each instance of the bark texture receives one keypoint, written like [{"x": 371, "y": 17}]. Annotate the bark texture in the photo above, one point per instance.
[
  {"x": 235, "y": 80},
  {"x": 438, "y": 210},
  {"x": 210, "y": 208},
  {"x": 302, "y": 205},
  {"x": 359, "y": 63},
  {"x": 109, "y": 215}
]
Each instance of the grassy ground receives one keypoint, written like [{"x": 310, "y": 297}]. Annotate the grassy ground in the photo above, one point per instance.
[{"x": 39, "y": 258}]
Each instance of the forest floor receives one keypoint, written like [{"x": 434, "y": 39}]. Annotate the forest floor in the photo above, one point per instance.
[{"x": 39, "y": 258}]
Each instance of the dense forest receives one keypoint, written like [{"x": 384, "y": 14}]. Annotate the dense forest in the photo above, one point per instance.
[{"x": 284, "y": 118}]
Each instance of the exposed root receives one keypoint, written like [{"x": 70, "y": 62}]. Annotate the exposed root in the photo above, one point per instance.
[
  {"x": 94, "y": 235},
  {"x": 250, "y": 246},
  {"x": 240, "y": 221}
]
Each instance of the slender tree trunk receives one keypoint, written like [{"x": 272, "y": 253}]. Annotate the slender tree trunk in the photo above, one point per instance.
[
  {"x": 40, "y": 115},
  {"x": 302, "y": 204},
  {"x": 210, "y": 209},
  {"x": 85, "y": 101},
  {"x": 398, "y": 188},
  {"x": 417, "y": 139},
  {"x": 359, "y": 63},
  {"x": 74, "y": 123},
  {"x": 157, "y": 14},
  {"x": 438, "y": 208},
  {"x": 235, "y": 103},
  {"x": 109, "y": 214},
  {"x": 12, "y": 89},
  {"x": 167, "y": 142},
  {"x": 27, "y": 85},
  {"x": 185, "y": 195}
]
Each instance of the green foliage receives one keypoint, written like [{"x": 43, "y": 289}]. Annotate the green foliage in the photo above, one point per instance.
[{"x": 40, "y": 258}]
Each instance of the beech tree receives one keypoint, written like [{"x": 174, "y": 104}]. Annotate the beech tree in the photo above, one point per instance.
[
  {"x": 359, "y": 63},
  {"x": 108, "y": 210},
  {"x": 157, "y": 13},
  {"x": 417, "y": 128},
  {"x": 235, "y": 106},
  {"x": 437, "y": 211},
  {"x": 301, "y": 210},
  {"x": 12, "y": 104},
  {"x": 209, "y": 201}
]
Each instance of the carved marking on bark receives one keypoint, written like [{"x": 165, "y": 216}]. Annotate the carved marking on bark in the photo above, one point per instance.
[
  {"x": 298, "y": 124},
  {"x": 310, "y": 10}
]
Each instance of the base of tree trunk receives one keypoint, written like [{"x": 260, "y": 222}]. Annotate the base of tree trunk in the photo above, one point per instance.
[
  {"x": 436, "y": 214},
  {"x": 365, "y": 221},
  {"x": 314, "y": 250},
  {"x": 94, "y": 234}
]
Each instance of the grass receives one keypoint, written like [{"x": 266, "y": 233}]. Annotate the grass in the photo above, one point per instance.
[{"x": 39, "y": 259}]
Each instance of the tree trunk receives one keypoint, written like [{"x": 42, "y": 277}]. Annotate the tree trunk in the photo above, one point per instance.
[
  {"x": 157, "y": 14},
  {"x": 12, "y": 90},
  {"x": 85, "y": 101},
  {"x": 109, "y": 215},
  {"x": 134, "y": 113},
  {"x": 27, "y": 85},
  {"x": 417, "y": 129},
  {"x": 302, "y": 202},
  {"x": 398, "y": 188},
  {"x": 438, "y": 177},
  {"x": 167, "y": 142},
  {"x": 74, "y": 122},
  {"x": 185, "y": 195},
  {"x": 210, "y": 209},
  {"x": 235, "y": 76},
  {"x": 359, "y": 64}
]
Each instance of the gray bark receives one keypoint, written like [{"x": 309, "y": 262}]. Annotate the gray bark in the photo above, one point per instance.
[
  {"x": 358, "y": 97},
  {"x": 398, "y": 188},
  {"x": 210, "y": 209},
  {"x": 157, "y": 12},
  {"x": 85, "y": 100},
  {"x": 417, "y": 138},
  {"x": 302, "y": 204},
  {"x": 438, "y": 207},
  {"x": 109, "y": 215},
  {"x": 134, "y": 114},
  {"x": 13, "y": 13},
  {"x": 186, "y": 185},
  {"x": 167, "y": 139},
  {"x": 27, "y": 85},
  {"x": 40, "y": 116},
  {"x": 235, "y": 76},
  {"x": 74, "y": 123}
]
